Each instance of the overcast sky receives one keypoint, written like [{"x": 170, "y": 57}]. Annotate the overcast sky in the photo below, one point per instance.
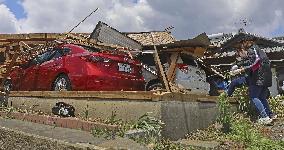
[{"x": 189, "y": 17}]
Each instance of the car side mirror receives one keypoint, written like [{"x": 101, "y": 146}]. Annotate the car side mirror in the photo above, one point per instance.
[{"x": 65, "y": 51}]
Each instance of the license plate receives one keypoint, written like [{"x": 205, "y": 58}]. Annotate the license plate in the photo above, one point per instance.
[{"x": 124, "y": 68}]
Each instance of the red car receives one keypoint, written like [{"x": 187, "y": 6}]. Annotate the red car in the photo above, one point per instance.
[{"x": 79, "y": 68}]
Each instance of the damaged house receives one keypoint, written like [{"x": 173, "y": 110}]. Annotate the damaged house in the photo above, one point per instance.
[
  {"x": 176, "y": 67},
  {"x": 178, "y": 59}
]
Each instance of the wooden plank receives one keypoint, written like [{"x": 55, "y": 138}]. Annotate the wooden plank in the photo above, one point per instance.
[
  {"x": 8, "y": 68},
  {"x": 35, "y": 42},
  {"x": 120, "y": 95},
  {"x": 172, "y": 69},
  {"x": 160, "y": 67},
  {"x": 24, "y": 45},
  {"x": 12, "y": 44},
  {"x": 189, "y": 49},
  {"x": 30, "y": 36},
  {"x": 196, "y": 51},
  {"x": 199, "y": 51},
  {"x": 136, "y": 95}
]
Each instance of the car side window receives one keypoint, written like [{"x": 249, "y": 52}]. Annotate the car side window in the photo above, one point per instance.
[
  {"x": 57, "y": 54},
  {"x": 147, "y": 59},
  {"x": 43, "y": 57},
  {"x": 66, "y": 51}
]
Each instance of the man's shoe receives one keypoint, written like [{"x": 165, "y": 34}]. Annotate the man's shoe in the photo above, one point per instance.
[{"x": 264, "y": 121}]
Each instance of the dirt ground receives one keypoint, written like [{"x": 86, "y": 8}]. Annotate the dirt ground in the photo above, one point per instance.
[{"x": 276, "y": 131}]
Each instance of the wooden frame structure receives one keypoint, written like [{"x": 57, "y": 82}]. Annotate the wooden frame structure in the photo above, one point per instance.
[
  {"x": 196, "y": 47},
  {"x": 20, "y": 48}
]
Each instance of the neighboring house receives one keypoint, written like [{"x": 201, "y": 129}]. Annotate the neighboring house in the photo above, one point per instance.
[
  {"x": 222, "y": 54},
  {"x": 279, "y": 39}
]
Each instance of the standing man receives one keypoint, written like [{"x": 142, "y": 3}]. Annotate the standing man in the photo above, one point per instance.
[{"x": 259, "y": 77}]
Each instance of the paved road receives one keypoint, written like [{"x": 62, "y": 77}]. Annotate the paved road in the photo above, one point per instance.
[{"x": 67, "y": 135}]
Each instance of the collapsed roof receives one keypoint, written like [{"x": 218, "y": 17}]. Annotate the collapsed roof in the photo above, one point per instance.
[
  {"x": 132, "y": 40},
  {"x": 140, "y": 41}
]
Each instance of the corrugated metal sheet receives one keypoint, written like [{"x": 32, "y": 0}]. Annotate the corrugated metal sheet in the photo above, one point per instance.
[{"x": 106, "y": 34}]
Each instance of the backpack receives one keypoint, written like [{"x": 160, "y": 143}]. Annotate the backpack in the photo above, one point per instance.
[
  {"x": 63, "y": 109},
  {"x": 265, "y": 67}
]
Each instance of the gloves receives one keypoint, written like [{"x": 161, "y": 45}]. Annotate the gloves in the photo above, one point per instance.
[
  {"x": 235, "y": 67},
  {"x": 237, "y": 71}
]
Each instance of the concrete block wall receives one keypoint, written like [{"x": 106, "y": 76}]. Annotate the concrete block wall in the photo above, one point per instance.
[{"x": 180, "y": 116}]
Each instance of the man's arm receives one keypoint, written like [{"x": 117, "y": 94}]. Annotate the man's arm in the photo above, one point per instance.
[{"x": 251, "y": 63}]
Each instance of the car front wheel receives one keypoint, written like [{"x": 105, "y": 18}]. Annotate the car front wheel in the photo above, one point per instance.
[
  {"x": 155, "y": 87},
  {"x": 62, "y": 83}
]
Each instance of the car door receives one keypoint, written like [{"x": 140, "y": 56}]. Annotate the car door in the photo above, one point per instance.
[
  {"x": 126, "y": 73},
  {"x": 48, "y": 70},
  {"x": 26, "y": 78},
  {"x": 104, "y": 67},
  {"x": 190, "y": 76}
]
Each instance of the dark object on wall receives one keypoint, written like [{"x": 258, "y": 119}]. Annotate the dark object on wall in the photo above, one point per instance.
[{"x": 63, "y": 109}]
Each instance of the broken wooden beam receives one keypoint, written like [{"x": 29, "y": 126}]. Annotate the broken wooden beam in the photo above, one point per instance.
[
  {"x": 160, "y": 68},
  {"x": 172, "y": 69}
]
